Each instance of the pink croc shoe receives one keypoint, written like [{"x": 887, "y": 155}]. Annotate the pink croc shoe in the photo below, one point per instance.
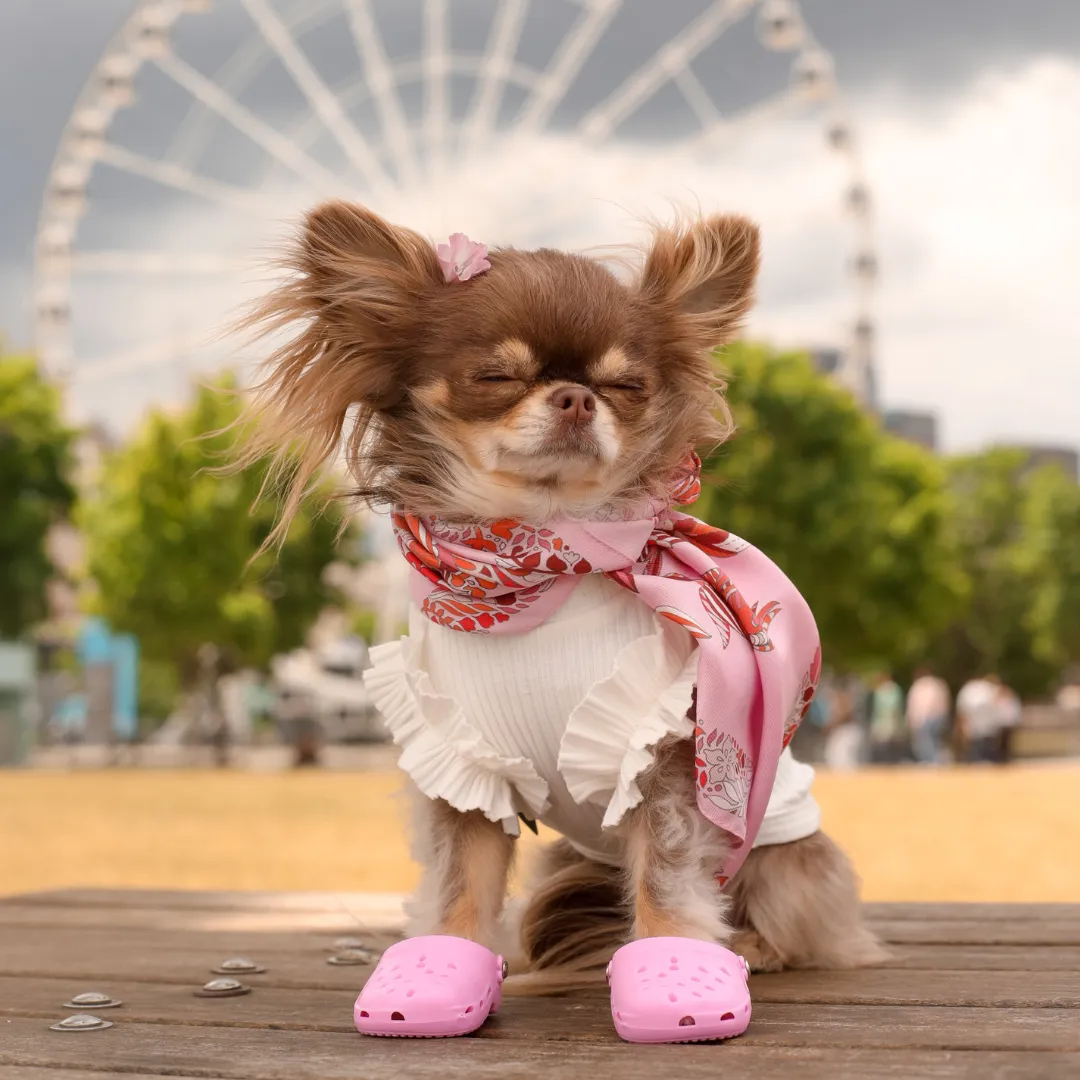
[
  {"x": 430, "y": 987},
  {"x": 673, "y": 989}
]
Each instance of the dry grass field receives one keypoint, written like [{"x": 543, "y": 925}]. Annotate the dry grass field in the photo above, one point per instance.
[{"x": 955, "y": 834}]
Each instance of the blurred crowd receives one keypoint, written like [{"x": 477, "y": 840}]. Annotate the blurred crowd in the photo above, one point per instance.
[{"x": 853, "y": 722}]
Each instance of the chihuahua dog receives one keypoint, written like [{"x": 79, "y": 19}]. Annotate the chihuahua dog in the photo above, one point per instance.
[{"x": 543, "y": 388}]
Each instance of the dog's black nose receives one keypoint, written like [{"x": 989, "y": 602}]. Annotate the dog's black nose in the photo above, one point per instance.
[{"x": 576, "y": 404}]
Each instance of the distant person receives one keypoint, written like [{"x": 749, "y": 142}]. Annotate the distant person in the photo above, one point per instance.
[
  {"x": 843, "y": 731},
  {"x": 1010, "y": 710},
  {"x": 888, "y": 729},
  {"x": 928, "y": 706},
  {"x": 978, "y": 715}
]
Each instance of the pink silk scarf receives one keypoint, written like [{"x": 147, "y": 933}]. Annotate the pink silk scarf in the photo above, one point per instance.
[{"x": 760, "y": 656}]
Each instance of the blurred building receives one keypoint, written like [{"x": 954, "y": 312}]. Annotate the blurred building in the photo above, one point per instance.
[
  {"x": 916, "y": 427},
  {"x": 856, "y": 372},
  {"x": 1065, "y": 458}
]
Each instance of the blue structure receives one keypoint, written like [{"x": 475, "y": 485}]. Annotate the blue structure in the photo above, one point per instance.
[{"x": 96, "y": 644}]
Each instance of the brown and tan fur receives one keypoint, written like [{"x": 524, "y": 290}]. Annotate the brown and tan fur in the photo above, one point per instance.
[{"x": 446, "y": 400}]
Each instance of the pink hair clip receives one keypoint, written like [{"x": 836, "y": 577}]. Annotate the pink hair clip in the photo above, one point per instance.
[{"x": 462, "y": 258}]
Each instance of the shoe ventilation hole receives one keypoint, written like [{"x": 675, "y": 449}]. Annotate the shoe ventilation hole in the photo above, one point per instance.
[
  {"x": 674, "y": 960},
  {"x": 364, "y": 1012},
  {"x": 396, "y": 1016},
  {"x": 429, "y": 972},
  {"x": 468, "y": 1009},
  {"x": 641, "y": 970},
  {"x": 726, "y": 972},
  {"x": 746, "y": 1008},
  {"x": 452, "y": 966},
  {"x": 695, "y": 993},
  {"x": 728, "y": 1016},
  {"x": 704, "y": 971},
  {"x": 687, "y": 1021},
  {"x": 672, "y": 997},
  {"x": 694, "y": 978},
  {"x": 662, "y": 975},
  {"x": 674, "y": 967},
  {"x": 409, "y": 993},
  {"x": 422, "y": 959}
]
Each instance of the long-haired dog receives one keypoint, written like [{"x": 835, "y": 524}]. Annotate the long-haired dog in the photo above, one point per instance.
[{"x": 544, "y": 388}]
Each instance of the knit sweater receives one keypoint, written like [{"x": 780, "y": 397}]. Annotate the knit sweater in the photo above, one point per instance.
[{"x": 559, "y": 723}]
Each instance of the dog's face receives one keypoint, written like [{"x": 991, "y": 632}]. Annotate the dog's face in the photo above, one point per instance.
[{"x": 544, "y": 386}]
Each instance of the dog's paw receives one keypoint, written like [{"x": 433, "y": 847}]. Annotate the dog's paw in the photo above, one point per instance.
[{"x": 756, "y": 951}]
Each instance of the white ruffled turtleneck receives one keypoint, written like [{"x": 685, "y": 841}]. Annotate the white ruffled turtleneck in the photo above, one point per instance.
[{"x": 557, "y": 723}]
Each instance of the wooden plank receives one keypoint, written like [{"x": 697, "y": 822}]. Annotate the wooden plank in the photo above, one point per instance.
[
  {"x": 390, "y": 904},
  {"x": 985, "y": 957},
  {"x": 972, "y": 912},
  {"x": 299, "y": 959},
  {"x": 383, "y": 905},
  {"x": 340, "y": 922},
  {"x": 982, "y": 932},
  {"x": 324, "y": 991},
  {"x": 54, "y": 1072},
  {"x": 908, "y": 930},
  {"x": 1043, "y": 989},
  {"x": 582, "y": 1018},
  {"x": 288, "y": 1055}
]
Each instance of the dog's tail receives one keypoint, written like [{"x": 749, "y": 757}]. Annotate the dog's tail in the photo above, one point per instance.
[{"x": 575, "y": 917}]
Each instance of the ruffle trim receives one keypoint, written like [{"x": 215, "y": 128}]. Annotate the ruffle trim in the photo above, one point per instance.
[
  {"x": 610, "y": 738},
  {"x": 444, "y": 755}
]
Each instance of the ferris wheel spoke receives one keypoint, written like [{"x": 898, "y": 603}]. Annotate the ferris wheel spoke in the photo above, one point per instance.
[
  {"x": 319, "y": 95},
  {"x": 435, "y": 106},
  {"x": 169, "y": 174},
  {"x": 495, "y": 68},
  {"x": 380, "y": 80},
  {"x": 729, "y": 127},
  {"x": 698, "y": 98},
  {"x": 665, "y": 64},
  {"x": 155, "y": 263},
  {"x": 576, "y": 48},
  {"x": 247, "y": 123}
]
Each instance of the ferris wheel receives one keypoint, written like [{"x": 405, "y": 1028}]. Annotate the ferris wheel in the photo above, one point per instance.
[{"x": 208, "y": 125}]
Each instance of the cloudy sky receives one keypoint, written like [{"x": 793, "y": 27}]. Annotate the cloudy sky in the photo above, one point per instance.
[{"x": 966, "y": 113}]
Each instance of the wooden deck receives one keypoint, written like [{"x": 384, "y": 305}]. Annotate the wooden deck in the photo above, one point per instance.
[{"x": 982, "y": 991}]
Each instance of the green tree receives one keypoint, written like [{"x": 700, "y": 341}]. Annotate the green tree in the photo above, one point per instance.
[
  {"x": 1018, "y": 536},
  {"x": 173, "y": 546},
  {"x": 35, "y": 489},
  {"x": 858, "y": 519},
  {"x": 1051, "y": 561}
]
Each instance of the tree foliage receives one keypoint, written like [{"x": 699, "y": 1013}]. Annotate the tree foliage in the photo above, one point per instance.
[
  {"x": 170, "y": 540},
  {"x": 1018, "y": 536},
  {"x": 35, "y": 490},
  {"x": 858, "y": 519}
]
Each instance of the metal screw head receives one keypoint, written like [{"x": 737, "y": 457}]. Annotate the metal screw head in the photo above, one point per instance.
[
  {"x": 223, "y": 988},
  {"x": 238, "y": 965},
  {"x": 81, "y": 1022},
  {"x": 92, "y": 999},
  {"x": 341, "y": 944},
  {"x": 350, "y": 957}
]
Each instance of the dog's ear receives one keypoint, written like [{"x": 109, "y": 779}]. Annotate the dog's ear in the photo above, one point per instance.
[
  {"x": 353, "y": 258},
  {"x": 706, "y": 271},
  {"x": 364, "y": 278},
  {"x": 351, "y": 311}
]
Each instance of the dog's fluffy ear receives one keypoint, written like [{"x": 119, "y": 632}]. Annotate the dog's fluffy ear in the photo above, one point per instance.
[
  {"x": 350, "y": 308},
  {"x": 363, "y": 278},
  {"x": 705, "y": 270}
]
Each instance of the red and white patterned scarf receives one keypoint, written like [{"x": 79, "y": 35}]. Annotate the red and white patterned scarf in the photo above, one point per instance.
[{"x": 760, "y": 655}]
